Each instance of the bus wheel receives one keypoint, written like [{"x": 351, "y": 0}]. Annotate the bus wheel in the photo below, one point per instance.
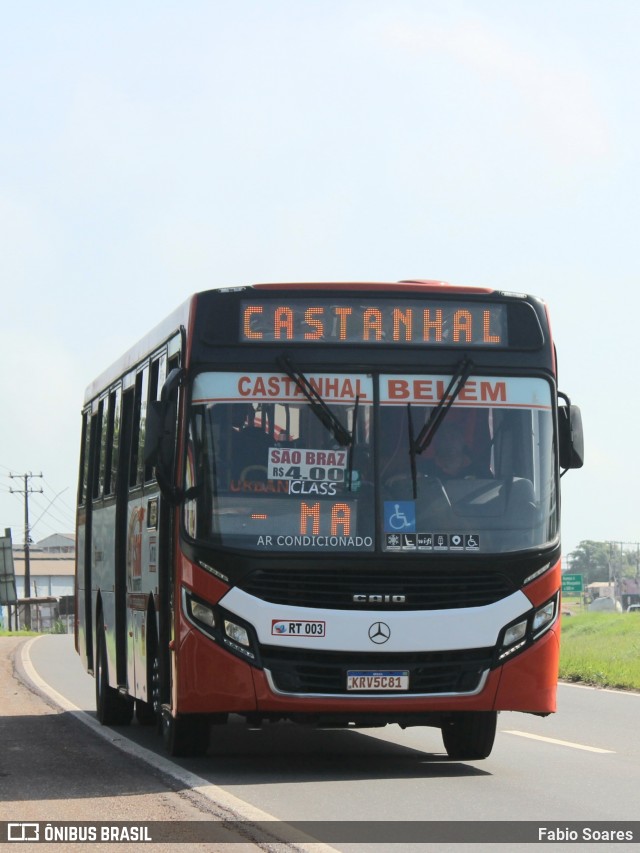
[
  {"x": 469, "y": 735},
  {"x": 112, "y": 708},
  {"x": 186, "y": 735}
]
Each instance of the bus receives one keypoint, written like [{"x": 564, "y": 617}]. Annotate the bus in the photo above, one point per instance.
[{"x": 336, "y": 504}]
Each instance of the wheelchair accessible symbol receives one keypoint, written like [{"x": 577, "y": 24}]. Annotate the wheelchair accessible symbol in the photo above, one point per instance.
[{"x": 399, "y": 517}]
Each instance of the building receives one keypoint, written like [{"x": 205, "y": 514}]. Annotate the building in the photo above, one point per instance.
[
  {"x": 52, "y": 566},
  {"x": 52, "y": 574},
  {"x": 623, "y": 592},
  {"x": 601, "y": 589},
  {"x": 629, "y": 592},
  {"x": 57, "y": 543}
]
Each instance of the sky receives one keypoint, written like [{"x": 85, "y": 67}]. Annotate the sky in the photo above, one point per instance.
[{"x": 150, "y": 150}]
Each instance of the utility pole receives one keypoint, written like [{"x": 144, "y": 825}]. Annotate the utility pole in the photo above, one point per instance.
[{"x": 27, "y": 536}]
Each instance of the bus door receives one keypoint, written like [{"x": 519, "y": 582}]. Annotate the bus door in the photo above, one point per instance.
[
  {"x": 136, "y": 525},
  {"x": 121, "y": 584},
  {"x": 136, "y": 599},
  {"x": 142, "y": 538},
  {"x": 84, "y": 620}
]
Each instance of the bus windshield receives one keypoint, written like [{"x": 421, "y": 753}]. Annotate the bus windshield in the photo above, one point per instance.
[{"x": 265, "y": 473}]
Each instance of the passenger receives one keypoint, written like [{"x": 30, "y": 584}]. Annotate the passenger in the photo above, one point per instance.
[{"x": 250, "y": 445}]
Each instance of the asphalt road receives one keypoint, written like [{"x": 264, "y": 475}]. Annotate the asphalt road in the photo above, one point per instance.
[
  {"x": 581, "y": 764},
  {"x": 53, "y": 768}
]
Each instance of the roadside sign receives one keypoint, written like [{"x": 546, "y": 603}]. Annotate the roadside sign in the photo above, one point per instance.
[
  {"x": 7, "y": 573},
  {"x": 572, "y": 584}
]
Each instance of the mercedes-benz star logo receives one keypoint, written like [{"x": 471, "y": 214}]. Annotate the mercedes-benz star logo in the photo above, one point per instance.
[{"x": 379, "y": 633}]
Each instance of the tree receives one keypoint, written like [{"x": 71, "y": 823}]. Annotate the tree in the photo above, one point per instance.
[
  {"x": 603, "y": 561},
  {"x": 591, "y": 560}
]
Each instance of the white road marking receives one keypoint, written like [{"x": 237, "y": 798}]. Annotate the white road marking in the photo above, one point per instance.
[
  {"x": 620, "y": 692},
  {"x": 558, "y": 742},
  {"x": 238, "y": 809}
]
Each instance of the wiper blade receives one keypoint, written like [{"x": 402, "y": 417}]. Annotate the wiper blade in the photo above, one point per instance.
[
  {"x": 353, "y": 432},
  {"x": 438, "y": 414},
  {"x": 412, "y": 454},
  {"x": 318, "y": 405}
]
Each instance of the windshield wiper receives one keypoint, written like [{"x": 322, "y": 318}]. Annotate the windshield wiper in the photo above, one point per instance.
[
  {"x": 438, "y": 414},
  {"x": 412, "y": 453},
  {"x": 352, "y": 434},
  {"x": 317, "y": 404}
]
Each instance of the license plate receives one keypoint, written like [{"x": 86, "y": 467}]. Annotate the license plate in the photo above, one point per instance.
[{"x": 371, "y": 680}]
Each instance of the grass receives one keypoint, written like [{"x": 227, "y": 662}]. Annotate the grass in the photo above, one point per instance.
[
  {"x": 4, "y": 633},
  {"x": 602, "y": 649}
]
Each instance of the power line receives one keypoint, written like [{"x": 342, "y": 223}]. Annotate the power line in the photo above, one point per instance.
[
  {"x": 69, "y": 506},
  {"x": 48, "y": 509}
]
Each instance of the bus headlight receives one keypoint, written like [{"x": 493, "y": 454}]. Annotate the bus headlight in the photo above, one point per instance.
[
  {"x": 521, "y": 634},
  {"x": 236, "y": 633},
  {"x": 202, "y": 613},
  {"x": 515, "y": 633},
  {"x": 544, "y": 616},
  {"x": 218, "y": 624}
]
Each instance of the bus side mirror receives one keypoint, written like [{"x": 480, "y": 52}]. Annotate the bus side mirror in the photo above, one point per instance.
[
  {"x": 570, "y": 435},
  {"x": 160, "y": 433}
]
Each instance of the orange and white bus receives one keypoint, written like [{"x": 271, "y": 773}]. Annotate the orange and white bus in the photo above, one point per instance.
[{"x": 336, "y": 504}]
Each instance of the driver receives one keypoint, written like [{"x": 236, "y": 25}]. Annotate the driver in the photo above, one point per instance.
[{"x": 451, "y": 455}]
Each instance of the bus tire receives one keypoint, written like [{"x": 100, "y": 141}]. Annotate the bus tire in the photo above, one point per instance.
[
  {"x": 469, "y": 735},
  {"x": 185, "y": 735},
  {"x": 112, "y": 708}
]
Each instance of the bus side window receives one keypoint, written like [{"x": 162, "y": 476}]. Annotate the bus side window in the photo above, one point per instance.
[
  {"x": 83, "y": 480},
  {"x": 106, "y": 425},
  {"x": 136, "y": 469},
  {"x": 100, "y": 437},
  {"x": 113, "y": 441},
  {"x": 94, "y": 456},
  {"x": 157, "y": 376}
]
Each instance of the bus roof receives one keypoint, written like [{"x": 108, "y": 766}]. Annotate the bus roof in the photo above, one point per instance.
[
  {"x": 164, "y": 331},
  {"x": 180, "y": 316},
  {"x": 408, "y": 285}
]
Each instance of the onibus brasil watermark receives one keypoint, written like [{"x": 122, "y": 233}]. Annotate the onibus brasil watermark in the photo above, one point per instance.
[{"x": 269, "y": 831}]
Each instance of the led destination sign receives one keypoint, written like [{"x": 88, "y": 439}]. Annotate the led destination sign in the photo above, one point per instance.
[{"x": 378, "y": 321}]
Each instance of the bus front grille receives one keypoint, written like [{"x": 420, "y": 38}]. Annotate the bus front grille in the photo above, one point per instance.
[
  {"x": 325, "y": 673},
  {"x": 344, "y": 588}
]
